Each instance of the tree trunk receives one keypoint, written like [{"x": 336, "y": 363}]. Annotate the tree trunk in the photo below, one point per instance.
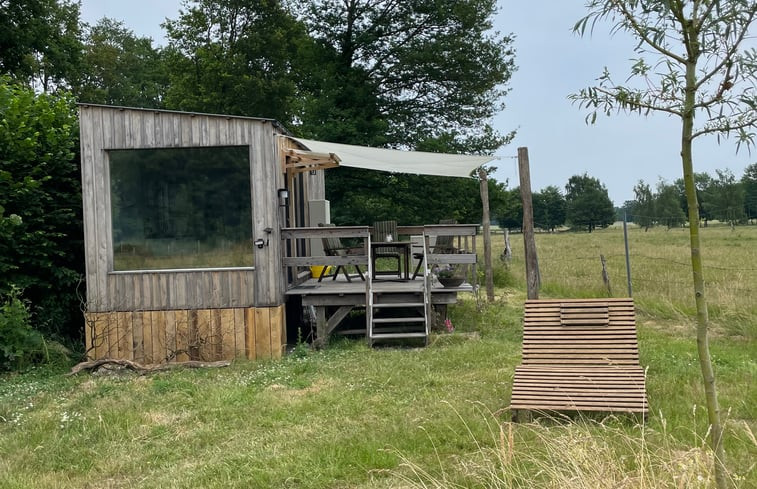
[{"x": 703, "y": 345}]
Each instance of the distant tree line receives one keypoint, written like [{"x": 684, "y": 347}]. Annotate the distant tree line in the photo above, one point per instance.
[
  {"x": 585, "y": 205},
  {"x": 723, "y": 198}
]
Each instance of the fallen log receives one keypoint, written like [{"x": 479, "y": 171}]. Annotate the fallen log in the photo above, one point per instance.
[{"x": 93, "y": 365}]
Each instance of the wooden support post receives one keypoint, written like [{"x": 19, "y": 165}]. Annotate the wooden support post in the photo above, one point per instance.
[
  {"x": 532, "y": 262},
  {"x": 489, "y": 277},
  {"x": 320, "y": 327},
  {"x": 507, "y": 254}
]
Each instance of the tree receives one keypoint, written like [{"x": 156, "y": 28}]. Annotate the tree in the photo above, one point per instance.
[
  {"x": 397, "y": 73},
  {"x": 510, "y": 213},
  {"x": 231, "y": 57},
  {"x": 726, "y": 197},
  {"x": 643, "y": 205},
  {"x": 667, "y": 205},
  {"x": 587, "y": 203},
  {"x": 415, "y": 75},
  {"x": 702, "y": 183},
  {"x": 119, "y": 68},
  {"x": 549, "y": 208},
  {"x": 700, "y": 66},
  {"x": 40, "y": 42},
  {"x": 749, "y": 183},
  {"x": 42, "y": 246}
]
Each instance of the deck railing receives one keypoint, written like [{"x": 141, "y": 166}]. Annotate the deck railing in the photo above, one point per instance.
[
  {"x": 301, "y": 264},
  {"x": 464, "y": 237}
]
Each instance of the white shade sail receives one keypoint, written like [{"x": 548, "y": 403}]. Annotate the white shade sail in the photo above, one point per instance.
[{"x": 392, "y": 160}]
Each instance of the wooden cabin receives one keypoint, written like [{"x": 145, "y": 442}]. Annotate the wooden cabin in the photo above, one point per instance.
[{"x": 198, "y": 230}]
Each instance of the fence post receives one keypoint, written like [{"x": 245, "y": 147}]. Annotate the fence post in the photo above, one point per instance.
[
  {"x": 628, "y": 258},
  {"x": 532, "y": 262}
]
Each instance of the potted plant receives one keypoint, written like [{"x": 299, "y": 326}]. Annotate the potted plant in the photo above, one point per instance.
[{"x": 449, "y": 276}]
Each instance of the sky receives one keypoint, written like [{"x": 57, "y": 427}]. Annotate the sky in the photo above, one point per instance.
[{"x": 552, "y": 63}]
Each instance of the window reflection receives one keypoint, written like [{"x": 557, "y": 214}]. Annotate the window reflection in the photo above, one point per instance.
[{"x": 181, "y": 208}]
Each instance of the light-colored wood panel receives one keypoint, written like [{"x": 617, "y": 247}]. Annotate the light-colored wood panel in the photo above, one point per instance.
[
  {"x": 216, "y": 335},
  {"x": 125, "y": 335},
  {"x": 112, "y": 329},
  {"x": 102, "y": 211},
  {"x": 179, "y": 291},
  {"x": 147, "y": 326},
  {"x": 182, "y": 335},
  {"x": 249, "y": 326},
  {"x": 147, "y": 292},
  {"x": 87, "y": 132},
  {"x": 88, "y": 335},
  {"x": 228, "y": 337},
  {"x": 138, "y": 332},
  {"x": 158, "y": 336},
  {"x": 204, "y": 335},
  {"x": 170, "y": 334},
  {"x": 239, "y": 333},
  {"x": 194, "y": 333},
  {"x": 262, "y": 333},
  {"x": 278, "y": 334},
  {"x": 213, "y": 131},
  {"x": 164, "y": 127}
]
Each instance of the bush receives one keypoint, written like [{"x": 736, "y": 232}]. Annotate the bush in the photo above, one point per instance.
[{"x": 20, "y": 344}]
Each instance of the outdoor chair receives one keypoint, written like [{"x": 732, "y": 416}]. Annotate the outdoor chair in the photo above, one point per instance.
[
  {"x": 579, "y": 355},
  {"x": 386, "y": 231},
  {"x": 443, "y": 245},
  {"x": 334, "y": 247}
]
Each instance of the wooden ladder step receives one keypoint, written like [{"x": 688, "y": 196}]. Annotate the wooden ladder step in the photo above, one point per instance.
[
  {"x": 388, "y": 305},
  {"x": 415, "y": 319},
  {"x": 390, "y": 336}
]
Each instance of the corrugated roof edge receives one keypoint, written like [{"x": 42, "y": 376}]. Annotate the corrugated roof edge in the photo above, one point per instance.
[{"x": 274, "y": 122}]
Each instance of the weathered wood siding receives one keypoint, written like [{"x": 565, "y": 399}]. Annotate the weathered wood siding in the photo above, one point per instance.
[
  {"x": 180, "y": 335},
  {"x": 104, "y": 128}
]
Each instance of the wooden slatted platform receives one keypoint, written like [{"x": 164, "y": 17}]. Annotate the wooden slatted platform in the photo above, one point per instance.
[{"x": 579, "y": 355}]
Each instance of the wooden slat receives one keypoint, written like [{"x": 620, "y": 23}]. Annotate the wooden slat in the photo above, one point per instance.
[
  {"x": 182, "y": 335},
  {"x": 228, "y": 349},
  {"x": 159, "y": 352},
  {"x": 204, "y": 335},
  {"x": 278, "y": 335},
  {"x": 170, "y": 345},
  {"x": 249, "y": 321},
  {"x": 239, "y": 333},
  {"x": 216, "y": 328},
  {"x": 262, "y": 333},
  {"x": 138, "y": 345}
]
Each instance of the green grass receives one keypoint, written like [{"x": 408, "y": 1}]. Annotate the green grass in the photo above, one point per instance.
[{"x": 350, "y": 416}]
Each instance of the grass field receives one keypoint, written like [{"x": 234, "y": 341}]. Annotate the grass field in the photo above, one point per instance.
[{"x": 350, "y": 416}]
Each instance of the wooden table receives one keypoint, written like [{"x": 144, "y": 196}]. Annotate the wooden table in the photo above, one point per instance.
[{"x": 404, "y": 247}]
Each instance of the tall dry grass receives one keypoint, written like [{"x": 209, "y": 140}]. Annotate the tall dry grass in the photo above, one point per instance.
[
  {"x": 582, "y": 454},
  {"x": 661, "y": 273}
]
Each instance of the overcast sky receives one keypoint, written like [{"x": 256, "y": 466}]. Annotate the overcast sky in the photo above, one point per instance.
[{"x": 552, "y": 63}]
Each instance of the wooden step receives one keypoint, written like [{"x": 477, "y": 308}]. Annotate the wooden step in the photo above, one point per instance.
[
  {"x": 388, "y": 305},
  {"x": 415, "y": 319},
  {"x": 390, "y": 336}
]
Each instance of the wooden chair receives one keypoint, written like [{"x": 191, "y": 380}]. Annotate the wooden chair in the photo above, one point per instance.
[
  {"x": 579, "y": 355},
  {"x": 381, "y": 231},
  {"x": 442, "y": 245},
  {"x": 334, "y": 247}
]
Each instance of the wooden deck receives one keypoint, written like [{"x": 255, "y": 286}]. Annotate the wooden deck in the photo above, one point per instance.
[
  {"x": 396, "y": 307},
  {"x": 340, "y": 292}
]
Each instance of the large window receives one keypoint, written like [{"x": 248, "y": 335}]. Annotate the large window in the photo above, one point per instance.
[{"x": 181, "y": 208}]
